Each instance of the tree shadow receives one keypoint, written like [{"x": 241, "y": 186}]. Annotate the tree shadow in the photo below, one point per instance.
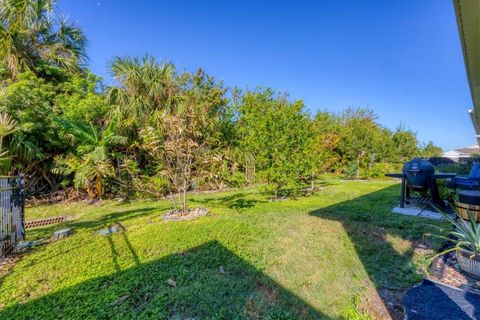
[
  {"x": 114, "y": 251},
  {"x": 238, "y": 201},
  {"x": 205, "y": 282},
  {"x": 102, "y": 221},
  {"x": 370, "y": 226}
]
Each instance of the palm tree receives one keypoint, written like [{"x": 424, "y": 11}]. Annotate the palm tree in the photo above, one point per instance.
[
  {"x": 92, "y": 161},
  {"x": 7, "y": 127},
  {"x": 31, "y": 33},
  {"x": 145, "y": 86}
]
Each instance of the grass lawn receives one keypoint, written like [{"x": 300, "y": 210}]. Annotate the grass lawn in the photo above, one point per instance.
[{"x": 309, "y": 258}]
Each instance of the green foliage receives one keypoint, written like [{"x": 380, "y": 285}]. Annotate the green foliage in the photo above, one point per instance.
[
  {"x": 327, "y": 135},
  {"x": 277, "y": 134},
  {"x": 378, "y": 170},
  {"x": 356, "y": 145},
  {"x": 406, "y": 144},
  {"x": 352, "y": 170},
  {"x": 461, "y": 169},
  {"x": 430, "y": 150},
  {"x": 185, "y": 140},
  {"x": 465, "y": 234},
  {"x": 29, "y": 101},
  {"x": 35, "y": 103},
  {"x": 235, "y": 180},
  {"x": 8, "y": 126},
  {"x": 445, "y": 190},
  {"x": 32, "y": 33},
  {"x": 168, "y": 122},
  {"x": 91, "y": 161},
  {"x": 145, "y": 86},
  {"x": 80, "y": 101}
]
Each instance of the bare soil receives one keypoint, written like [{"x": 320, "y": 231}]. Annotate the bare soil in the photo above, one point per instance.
[
  {"x": 383, "y": 304},
  {"x": 185, "y": 215}
]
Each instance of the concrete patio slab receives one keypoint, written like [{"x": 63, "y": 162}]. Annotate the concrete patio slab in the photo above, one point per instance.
[
  {"x": 419, "y": 212},
  {"x": 431, "y": 215},
  {"x": 407, "y": 211}
]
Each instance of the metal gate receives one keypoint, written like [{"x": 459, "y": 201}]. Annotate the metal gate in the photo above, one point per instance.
[{"x": 12, "y": 220}]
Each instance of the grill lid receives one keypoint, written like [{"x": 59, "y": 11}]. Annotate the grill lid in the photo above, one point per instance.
[{"x": 417, "y": 172}]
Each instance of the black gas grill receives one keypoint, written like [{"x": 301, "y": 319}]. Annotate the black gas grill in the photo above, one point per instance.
[{"x": 419, "y": 175}]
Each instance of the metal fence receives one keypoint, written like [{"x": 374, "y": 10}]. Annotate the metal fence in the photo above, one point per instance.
[{"x": 12, "y": 220}]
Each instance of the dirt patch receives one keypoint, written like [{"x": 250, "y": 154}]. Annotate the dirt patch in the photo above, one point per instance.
[
  {"x": 383, "y": 304},
  {"x": 190, "y": 214},
  {"x": 7, "y": 263},
  {"x": 423, "y": 248},
  {"x": 258, "y": 304},
  {"x": 269, "y": 294},
  {"x": 62, "y": 196}
]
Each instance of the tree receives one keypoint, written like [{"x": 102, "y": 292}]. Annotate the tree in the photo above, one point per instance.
[
  {"x": 32, "y": 34},
  {"x": 145, "y": 86},
  {"x": 430, "y": 150},
  {"x": 185, "y": 140},
  {"x": 327, "y": 134},
  {"x": 406, "y": 144},
  {"x": 361, "y": 138},
  {"x": 156, "y": 125},
  {"x": 29, "y": 101},
  {"x": 35, "y": 103},
  {"x": 80, "y": 99},
  {"x": 276, "y": 134}
]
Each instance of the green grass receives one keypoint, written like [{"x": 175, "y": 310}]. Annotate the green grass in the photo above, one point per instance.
[{"x": 308, "y": 258}]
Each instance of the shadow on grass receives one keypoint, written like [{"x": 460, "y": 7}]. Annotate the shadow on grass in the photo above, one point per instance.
[
  {"x": 391, "y": 270},
  {"x": 102, "y": 221},
  {"x": 238, "y": 201},
  {"x": 210, "y": 282}
]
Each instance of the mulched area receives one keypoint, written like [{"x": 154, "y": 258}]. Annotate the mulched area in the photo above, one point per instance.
[
  {"x": 188, "y": 215},
  {"x": 445, "y": 269},
  {"x": 431, "y": 300},
  {"x": 447, "y": 293}
]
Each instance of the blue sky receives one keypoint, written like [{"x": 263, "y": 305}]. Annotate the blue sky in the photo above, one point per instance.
[{"x": 400, "y": 58}]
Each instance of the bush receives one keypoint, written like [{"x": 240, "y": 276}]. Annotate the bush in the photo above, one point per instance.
[
  {"x": 445, "y": 190},
  {"x": 378, "y": 170},
  {"x": 458, "y": 168},
  {"x": 351, "y": 171},
  {"x": 236, "y": 180}
]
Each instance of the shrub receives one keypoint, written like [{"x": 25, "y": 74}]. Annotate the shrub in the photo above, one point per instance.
[
  {"x": 378, "y": 170},
  {"x": 236, "y": 180},
  {"x": 458, "y": 168}
]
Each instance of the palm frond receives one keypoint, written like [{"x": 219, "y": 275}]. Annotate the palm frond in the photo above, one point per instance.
[
  {"x": 8, "y": 125},
  {"x": 86, "y": 135},
  {"x": 466, "y": 234},
  {"x": 31, "y": 32},
  {"x": 24, "y": 149},
  {"x": 145, "y": 85}
]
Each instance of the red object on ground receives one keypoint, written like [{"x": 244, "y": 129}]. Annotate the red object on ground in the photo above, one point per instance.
[{"x": 45, "y": 221}]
